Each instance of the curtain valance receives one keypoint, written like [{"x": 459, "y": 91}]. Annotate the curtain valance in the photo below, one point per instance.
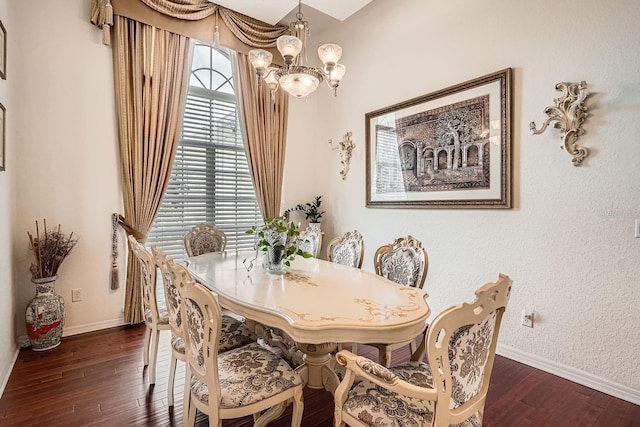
[{"x": 197, "y": 19}]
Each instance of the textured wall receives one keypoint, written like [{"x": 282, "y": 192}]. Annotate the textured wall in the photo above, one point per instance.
[{"x": 568, "y": 243}]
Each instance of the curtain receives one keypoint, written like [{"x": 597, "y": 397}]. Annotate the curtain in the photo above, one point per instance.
[
  {"x": 265, "y": 130},
  {"x": 196, "y": 19},
  {"x": 150, "y": 55},
  {"x": 150, "y": 67}
]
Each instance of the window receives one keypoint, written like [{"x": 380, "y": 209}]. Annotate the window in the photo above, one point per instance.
[{"x": 210, "y": 181}]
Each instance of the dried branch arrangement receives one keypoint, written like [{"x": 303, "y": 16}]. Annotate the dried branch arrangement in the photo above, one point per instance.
[{"x": 50, "y": 249}]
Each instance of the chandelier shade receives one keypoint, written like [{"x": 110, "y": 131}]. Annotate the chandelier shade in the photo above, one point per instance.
[
  {"x": 289, "y": 47},
  {"x": 330, "y": 53},
  {"x": 299, "y": 81},
  {"x": 296, "y": 77}
]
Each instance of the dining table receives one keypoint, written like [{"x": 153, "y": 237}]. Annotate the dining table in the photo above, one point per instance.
[{"x": 316, "y": 302}]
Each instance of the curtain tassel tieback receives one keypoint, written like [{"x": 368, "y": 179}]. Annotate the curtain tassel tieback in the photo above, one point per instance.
[
  {"x": 102, "y": 17},
  {"x": 108, "y": 23},
  {"x": 118, "y": 220}
]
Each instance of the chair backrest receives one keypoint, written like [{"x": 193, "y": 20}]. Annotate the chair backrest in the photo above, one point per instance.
[
  {"x": 404, "y": 261},
  {"x": 148, "y": 279},
  {"x": 310, "y": 240},
  {"x": 202, "y": 320},
  {"x": 203, "y": 239},
  {"x": 171, "y": 294},
  {"x": 347, "y": 249},
  {"x": 461, "y": 348}
]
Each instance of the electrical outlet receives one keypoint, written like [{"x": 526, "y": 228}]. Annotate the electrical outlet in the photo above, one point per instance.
[
  {"x": 527, "y": 319},
  {"x": 76, "y": 294}
]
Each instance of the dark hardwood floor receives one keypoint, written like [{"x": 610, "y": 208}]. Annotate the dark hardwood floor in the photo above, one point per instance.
[{"x": 98, "y": 379}]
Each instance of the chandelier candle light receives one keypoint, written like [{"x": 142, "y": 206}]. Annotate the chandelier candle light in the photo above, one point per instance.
[{"x": 296, "y": 77}]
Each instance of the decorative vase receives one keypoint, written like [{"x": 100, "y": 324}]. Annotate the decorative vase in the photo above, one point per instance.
[
  {"x": 45, "y": 315},
  {"x": 315, "y": 226},
  {"x": 275, "y": 252}
]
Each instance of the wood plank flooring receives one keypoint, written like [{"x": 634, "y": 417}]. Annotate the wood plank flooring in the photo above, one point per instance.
[{"x": 98, "y": 379}]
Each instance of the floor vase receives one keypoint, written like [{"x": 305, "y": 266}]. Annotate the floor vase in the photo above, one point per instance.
[{"x": 45, "y": 315}]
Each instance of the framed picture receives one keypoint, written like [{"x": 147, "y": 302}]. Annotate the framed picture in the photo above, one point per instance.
[
  {"x": 3, "y": 54},
  {"x": 446, "y": 149},
  {"x": 3, "y": 155}
]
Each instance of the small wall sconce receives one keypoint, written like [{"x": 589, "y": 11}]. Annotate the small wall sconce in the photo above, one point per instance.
[
  {"x": 346, "y": 147},
  {"x": 569, "y": 113}
]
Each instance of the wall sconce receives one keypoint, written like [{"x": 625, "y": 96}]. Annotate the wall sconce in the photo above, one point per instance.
[
  {"x": 569, "y": 113},
  {"x": 346, "y": 147}
]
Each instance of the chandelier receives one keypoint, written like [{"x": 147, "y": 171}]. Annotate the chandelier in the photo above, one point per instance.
[{"x": 296, "y": 77}]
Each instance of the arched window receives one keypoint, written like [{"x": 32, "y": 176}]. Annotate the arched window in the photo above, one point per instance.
[{"x": 210, "y": 181}]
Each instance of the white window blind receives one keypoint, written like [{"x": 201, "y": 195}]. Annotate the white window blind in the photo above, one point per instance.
[{"x": 210, "y": 181}]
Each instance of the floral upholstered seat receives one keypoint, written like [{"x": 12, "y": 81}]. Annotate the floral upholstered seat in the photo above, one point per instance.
[
  {"x": 155, "y": 316},
  {"x": 234, "y": 333},
  {"x": 269, "y": 375},
  {"x": 461, "y": 343},
  {"x": 347, "y": 249},
  {"x": 203, "y": 239},
  {"x": 248, "y": 380},
  {"x": 404, "y": 262}
]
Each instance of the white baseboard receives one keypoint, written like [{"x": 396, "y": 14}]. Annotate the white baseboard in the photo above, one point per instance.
[
  {"x": 570, "y": 373},
  {"x": 7, "y": 374},
  {"x": 90, "y": 327}
]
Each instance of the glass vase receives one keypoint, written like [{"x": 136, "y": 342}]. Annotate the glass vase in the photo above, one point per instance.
[{"x": 274, "y": 262}]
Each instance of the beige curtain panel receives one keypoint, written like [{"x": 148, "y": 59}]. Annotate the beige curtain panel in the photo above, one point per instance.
[
  {"x": 264, "y": 126},
  {"x": 150, "y": 67}
]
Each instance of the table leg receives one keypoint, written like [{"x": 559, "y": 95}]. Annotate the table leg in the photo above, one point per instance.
[{"x": 317, "y": 366}]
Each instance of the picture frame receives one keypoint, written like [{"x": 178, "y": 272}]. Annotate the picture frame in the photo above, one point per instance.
[
  {"x": 446, "y": 149},
  {"x": 3, "y": 126},
  {"x": 3, "y": 54}
]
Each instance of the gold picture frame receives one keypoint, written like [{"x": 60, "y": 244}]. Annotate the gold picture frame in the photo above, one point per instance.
[
  {"x": 447, "y": 149},
  {"x": 3, "y": 54}
]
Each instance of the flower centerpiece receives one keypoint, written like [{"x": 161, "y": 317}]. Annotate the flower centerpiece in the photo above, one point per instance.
[
  {"x": 279, "y": 241},
  {"x": 311, "y": 211},
  {"x": 45, "y": 312}
]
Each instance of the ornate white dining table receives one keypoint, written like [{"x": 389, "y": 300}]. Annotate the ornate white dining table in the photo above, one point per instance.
[{"x": 317, "y": 303}]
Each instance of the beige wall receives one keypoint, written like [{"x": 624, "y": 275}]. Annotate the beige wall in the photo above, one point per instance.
[
  {"x": 66, "y": 159},
  {"x": 568, "y": 243}
]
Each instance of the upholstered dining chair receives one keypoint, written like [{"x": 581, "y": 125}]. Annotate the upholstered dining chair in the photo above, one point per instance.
[
  {"x": 203, "y": 239},
  {"x": 234, "y": 333},
  {"x": 239, "y": 382},
  {"x": 405, "y": 262},
  {"x": 450, "y": 390},
  {"x": 156, "y": 317},
  {"x": 347, "y": 249},
  {"x": 310, "y": 240}
]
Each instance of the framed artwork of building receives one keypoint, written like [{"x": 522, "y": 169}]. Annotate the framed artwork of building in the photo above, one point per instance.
[{"x": 446, "y": 149}]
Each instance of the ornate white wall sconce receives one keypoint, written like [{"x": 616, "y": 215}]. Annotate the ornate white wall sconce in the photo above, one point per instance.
[
  {"x": 569, "y": 113},
  {"x": 346, "y": 147}
]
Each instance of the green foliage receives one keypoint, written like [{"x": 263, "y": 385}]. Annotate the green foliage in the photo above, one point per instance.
[
  {"x": 311, "y": 211},
  {"x": 279, "y": 225}
]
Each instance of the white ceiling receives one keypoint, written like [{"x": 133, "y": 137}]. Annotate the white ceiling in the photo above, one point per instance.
[{"x": 274, "y": 11}]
